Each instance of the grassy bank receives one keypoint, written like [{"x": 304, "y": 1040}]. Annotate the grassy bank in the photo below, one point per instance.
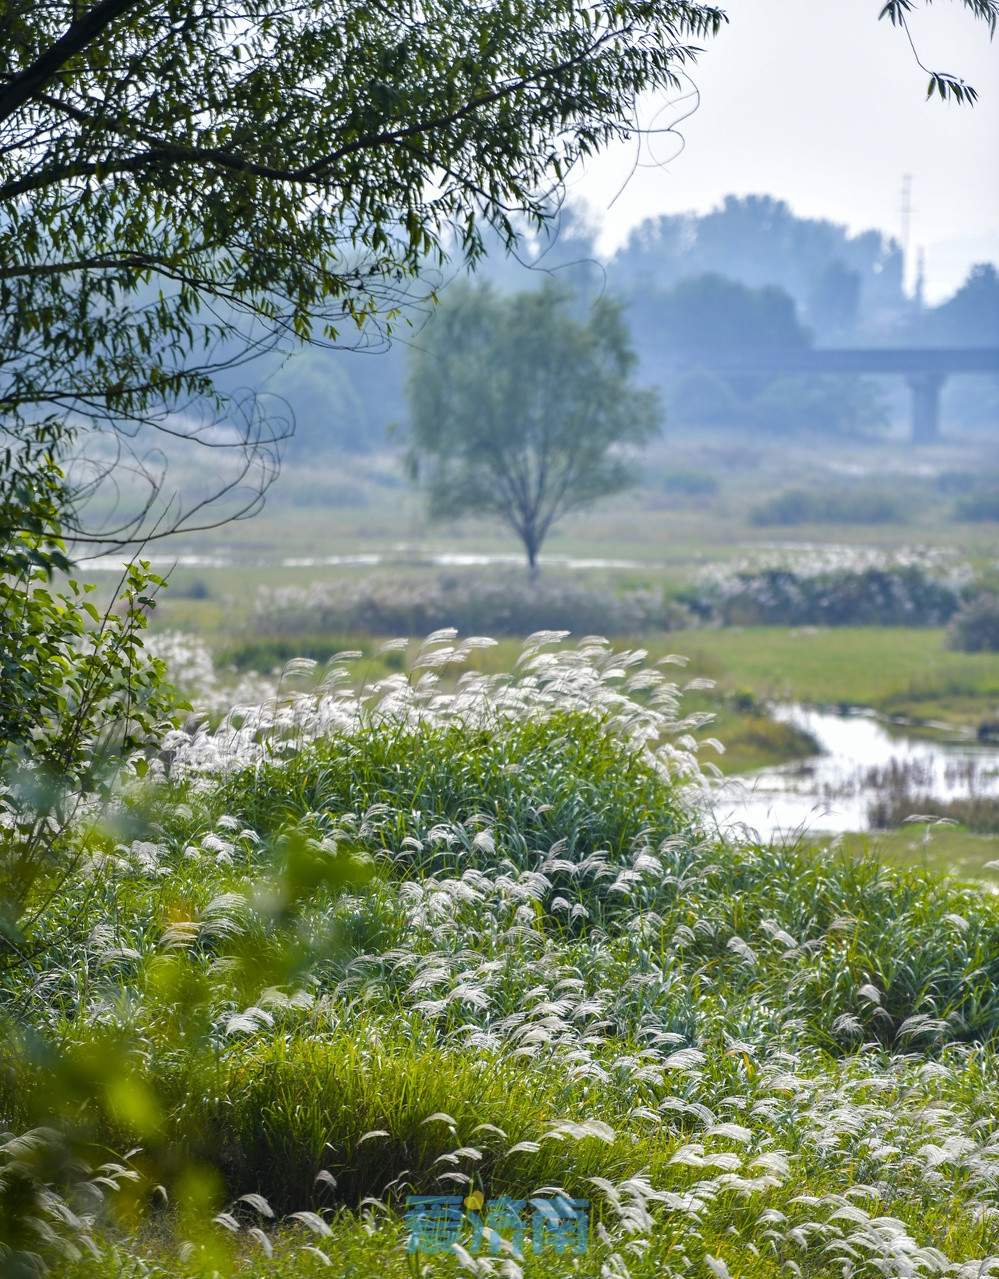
[
  {"x": 486, "y": 949},
  {"x": 898, "y": 670},
  {"x": 943, "y": 849}
]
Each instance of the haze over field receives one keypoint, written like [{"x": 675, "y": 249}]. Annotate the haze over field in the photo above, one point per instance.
[{"x": 781, "y": 110}]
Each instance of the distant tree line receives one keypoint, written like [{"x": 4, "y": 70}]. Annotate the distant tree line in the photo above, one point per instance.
[{"x": 749, "y": 273}]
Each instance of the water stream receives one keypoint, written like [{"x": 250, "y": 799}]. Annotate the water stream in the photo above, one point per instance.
[
  {"x": 860, "y": 758},
  {"x": 401, "y": 555}
]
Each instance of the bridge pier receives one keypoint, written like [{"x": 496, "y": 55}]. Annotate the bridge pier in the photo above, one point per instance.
[
  {"x": 924, "y": 368},
  {"x": 926, "y": 388}
]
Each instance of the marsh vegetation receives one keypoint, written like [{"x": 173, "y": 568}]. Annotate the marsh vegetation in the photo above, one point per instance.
[
  {"x": 342, "y": 928},
  {"x": 348, "y": 947}
]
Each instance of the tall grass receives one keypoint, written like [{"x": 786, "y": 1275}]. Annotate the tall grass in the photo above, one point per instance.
[{"x": 346, "y": 949}]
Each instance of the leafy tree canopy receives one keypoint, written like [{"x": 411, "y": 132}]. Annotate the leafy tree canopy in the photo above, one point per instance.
[
  {"x": 518, "y": 408},
  {"x": 709, "y": 314},
  {"x": 970, "y": 317},
  {"x": 758, "y": 240},
  {"x": 184, "y": 183}
]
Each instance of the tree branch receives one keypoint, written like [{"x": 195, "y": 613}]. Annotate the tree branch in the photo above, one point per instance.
[{"x": 74, "y": 40}]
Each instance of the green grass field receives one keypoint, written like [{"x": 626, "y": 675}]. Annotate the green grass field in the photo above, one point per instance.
[
  {"x": 943, "y": 849},
  {"x": 668, "y": 537},
  {"x": 348, "y": 504},
  {"x": 901, "y": 671}
]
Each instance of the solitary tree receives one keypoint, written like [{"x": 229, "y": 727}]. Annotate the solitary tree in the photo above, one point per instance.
[{"x": 521, "y": 410}]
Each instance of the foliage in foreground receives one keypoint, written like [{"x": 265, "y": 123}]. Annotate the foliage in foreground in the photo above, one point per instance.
[
  {"x": 78, "y": 692},
  {"x": 483, "y": 941}
]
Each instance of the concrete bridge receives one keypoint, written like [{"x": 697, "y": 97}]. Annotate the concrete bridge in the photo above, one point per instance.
[{"x": 924, "y": 368}]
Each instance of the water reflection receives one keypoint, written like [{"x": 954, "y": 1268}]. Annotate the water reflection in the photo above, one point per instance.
[{"x": 861, "y": 766}]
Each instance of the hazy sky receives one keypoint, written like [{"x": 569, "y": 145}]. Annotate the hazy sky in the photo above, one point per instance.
[{"x": 819, "y": 103}]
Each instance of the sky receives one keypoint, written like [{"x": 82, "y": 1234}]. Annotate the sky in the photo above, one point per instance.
[{"x": 822, "y": 105}]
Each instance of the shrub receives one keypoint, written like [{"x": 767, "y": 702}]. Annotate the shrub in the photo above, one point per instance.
[
  {"x": 703, "y": 399},
  {"x": 978, "y": 508},
  {"x": 975, "y": 629},
  {"x": 288, "y": 1110},
  {"x": 830, "y": 405},
  {"x": 898, "y": 595},
  {"x": 575, "y": 784},
  {"x": 805, "y": 506},
  {"x": 494, "y": 604},
  {"x": 80, "y": 694},
  {"x": 196, "y": 589},
  {"x": 690, "y": 483},
  {"x": 955, "y": 483}
]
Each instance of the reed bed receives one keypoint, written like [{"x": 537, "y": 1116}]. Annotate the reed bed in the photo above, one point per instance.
[{"x": 345, "y": 947}]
